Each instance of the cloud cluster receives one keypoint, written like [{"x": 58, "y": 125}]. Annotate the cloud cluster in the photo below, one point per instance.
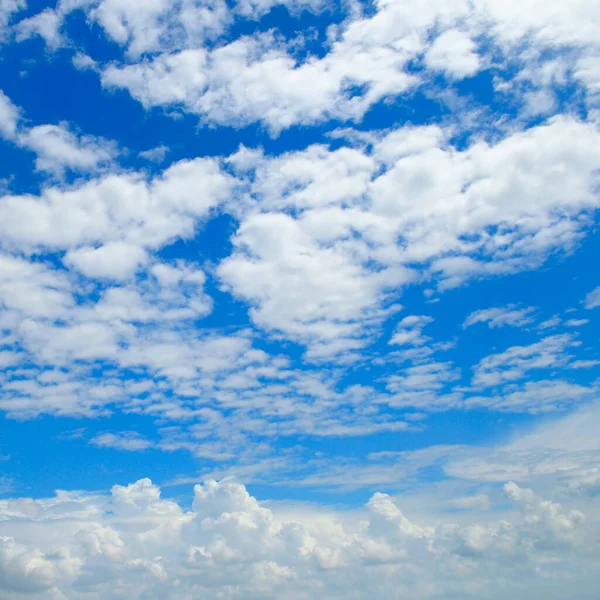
[
  {"x": 330, "y": 233},
  {"x": 134, "y": 544},
  {"x": 367, "y": 58}
]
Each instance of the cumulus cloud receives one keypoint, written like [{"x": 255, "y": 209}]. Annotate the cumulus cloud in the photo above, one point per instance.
[
  {"x": 115, "y": 260},
  {"x": 116, "y": 207},
  {"x": 411, "y": 201},
  {"x": 367, "y": 58},
  {"x": 454, "y": 53},
  {"x": 58, "y": 149},
  {"x": 278, "y": 333},
  {"x": 230, "y": 545}
]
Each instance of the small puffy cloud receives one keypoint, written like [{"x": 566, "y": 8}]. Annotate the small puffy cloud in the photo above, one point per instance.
[
  {"x": 113, "y": 261},
  {"x": 156, "y": 155},
  {"x": 83, "y": 62},
  {"x": 592, "y": 300},
  {"x": 58, "y": 149},
  {"x": 410, "y": 331},
  {"x": 454, "y": 53}
]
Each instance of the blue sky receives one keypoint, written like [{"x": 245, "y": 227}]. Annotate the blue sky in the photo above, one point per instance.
[{"x": 334, "y": 264}]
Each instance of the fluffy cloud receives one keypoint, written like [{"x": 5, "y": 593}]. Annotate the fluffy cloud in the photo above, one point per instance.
[
  {"x": 116, "y": 207},
  {"x": 592, "y": 300},
  {"x": 367, "y": 58},
  {"x": 230, "y": 546},
  {"x": 9, "y": 116},
  {"x": 115, "y": 260},
  {"x": 454, "y": 53},
  {"x": 58, "y": 149},
  {"x": 317, "y": 262},
  {"x": 31, "y": 289},
  {"x": 277, "y": 350}
]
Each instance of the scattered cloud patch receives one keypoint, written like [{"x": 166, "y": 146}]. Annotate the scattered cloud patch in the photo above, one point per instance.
[{"x": 500, "y": 317}]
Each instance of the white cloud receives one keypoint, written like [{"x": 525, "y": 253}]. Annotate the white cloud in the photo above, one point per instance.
[
  {"x": 46, "y": 24},
  {"x": 413, "y": 206},
  {"x": 115, "y": 260},
  {"x": 304, "y": 289},
  {"x": 422, "y": 386},
  {"x": 258, "y": 77},
  {"x": 157, "y": 154},
  {"x": 549, "y": 323},
  {"x": 7, "y": 10},
  {"x": 161, "y": 26},
  {"x": 501, "y": 316},
  {"x": 149, "y": 27},
  {"x": 535, "y": 397},
  {"x": 515, "y": 362},
  {"x": 31, "y": 289},
  {"x": 565, "y": 449},
  {"x": 592, "y": 300},
  {"x": 9, "y": 117},
  {"x": 229, "y": 545},
  {"x": 116, "y": 207},
  {"x": 453, "y": 52},
  {"x": 576, "y": 322},
  {"x": 410, "y": 331},
  {"x": 124, "y": 440},
  {"x": 58, "y": 149}
]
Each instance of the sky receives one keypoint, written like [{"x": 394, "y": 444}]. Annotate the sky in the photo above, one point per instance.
[{"x": 299, "y": 299}]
